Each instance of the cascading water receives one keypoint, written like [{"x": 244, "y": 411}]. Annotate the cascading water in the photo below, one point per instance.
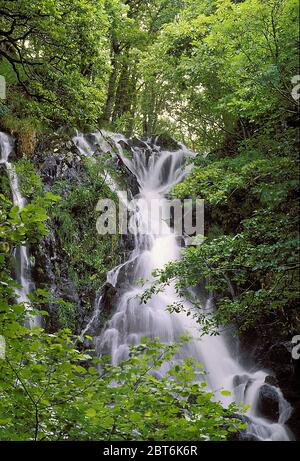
[
  {"x": 21, "y": 255},
  {"x": 157, "y": 171}
]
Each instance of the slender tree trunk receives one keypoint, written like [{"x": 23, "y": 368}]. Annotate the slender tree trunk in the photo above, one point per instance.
[
  {"x": 125, "y": 99},
  {"x": 111, "y": 92},
  {"x": 122, "y": 100}
]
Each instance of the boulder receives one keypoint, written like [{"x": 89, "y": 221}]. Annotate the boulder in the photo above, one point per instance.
[
  {"x": 131, "y": 180},
  {"x": 242, "y": 435},
  {"x": 136, "y": 142},
  {"x": 272, "y": 381},
  {"x": 108, "y": 294},
  {"x": 165, "y": 142},
  {"x": 62, "y": 166},
  {"x": 268, "y": 402},
  {"x": 281, "y": 352}
]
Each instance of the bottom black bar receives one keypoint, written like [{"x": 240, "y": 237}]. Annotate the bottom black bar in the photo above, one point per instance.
[{"x": 148, "y": 450}]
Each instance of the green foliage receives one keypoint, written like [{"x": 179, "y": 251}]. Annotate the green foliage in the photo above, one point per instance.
[
  {"x": 223, "y": 65},
  {"x": 267, "y": 180},
  {"x": 60, "y": 395},
  {"x": 67, "y": 314},
  {"x": 195, "y": 70},
  {"x": 135, "y": 26},
  {"x": 54, "y": 56},
  {"x": 31, "y": 185}
]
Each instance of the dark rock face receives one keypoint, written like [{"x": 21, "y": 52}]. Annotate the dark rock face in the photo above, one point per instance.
[
  {"x": 294, "y": 421},
  {"x": 137, "y": 143},
  {"x": 242, "y": 435},
  {"x": 127, "y": 245},
  {"x": 92, "y": 139},
  {"x": 68, "y": 166},
  {"x": 287, "y": 371},
  {"x": 272, "y": 381},
  {"x": 108, "y": 294},
  {"x": 2, "y": 169},
  {"x": 104, "y": 305},
  {"x": 131, "y": 180},
  {"x": 57, "y": 160},
  {"x": 247, "y": 438},
  {"x": 268, "y": 402},
  {"x": 244, "y": 379},
  {"x": 281, "y": 352},
  {"x": 165, "y": 142},
  {"x": 276, "y": 356},
  {"x": 51, "y": 270}
]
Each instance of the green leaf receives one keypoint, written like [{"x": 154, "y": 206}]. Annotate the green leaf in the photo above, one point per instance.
[
  {"x": 225, "y": 393},
  {"x": 91, "y": 413}
]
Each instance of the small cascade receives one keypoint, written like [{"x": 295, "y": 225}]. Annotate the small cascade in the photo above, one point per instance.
[
  {"x": 21, "y": 254},
  {"x": 156, "y": 171}
]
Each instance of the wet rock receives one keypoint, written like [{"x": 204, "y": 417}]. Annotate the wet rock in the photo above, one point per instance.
[
  {"x": 49, "y": 169},
  {"x": 192, "y": 399},
  {"x": 181, "y": 241},
  {"x": 242, "y": 435},
  {"x": 127, "y": 244},
  {"x": 281, "y": 352},
  {"x": 147, "y": 146},
  {"x": 69, "y": 144},
  {"x": 108, "y": 294},
  {"x": 272, "y": 381},
  {"x": 293, "y": 422},
  {"x": 126, "y": 275},
  {"x": 62, "y": 166},
  {"x": 68, "y": 291},
  {"x": 51, "y": 272},
  {"x": 138, "y": 143},
  {"x": 268, "y": 402},
  {"x": 242, "y": 379},
  {"x": 105, "y": 302},
  {"x": 165, "y": 142},
  {"x": 125, "y": 145},
  {"x": 91, "y": 139},
  {"x": 276, "y": 356},
  {"x": 129, "y": 178},
  {"x": 58, "y": 160}
]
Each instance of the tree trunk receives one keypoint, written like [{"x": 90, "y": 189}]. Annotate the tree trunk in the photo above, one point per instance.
[{"x": 111, "y": 92}]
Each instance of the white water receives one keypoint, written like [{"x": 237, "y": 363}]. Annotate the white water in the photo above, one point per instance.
[
  {"x": 21, "y": 256},
  {"x": 132, "y": 320}
]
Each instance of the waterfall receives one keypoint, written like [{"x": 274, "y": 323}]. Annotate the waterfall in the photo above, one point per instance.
[
  {"x": 21, "y": 254},
  {"x": 157, "y": 171}
]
